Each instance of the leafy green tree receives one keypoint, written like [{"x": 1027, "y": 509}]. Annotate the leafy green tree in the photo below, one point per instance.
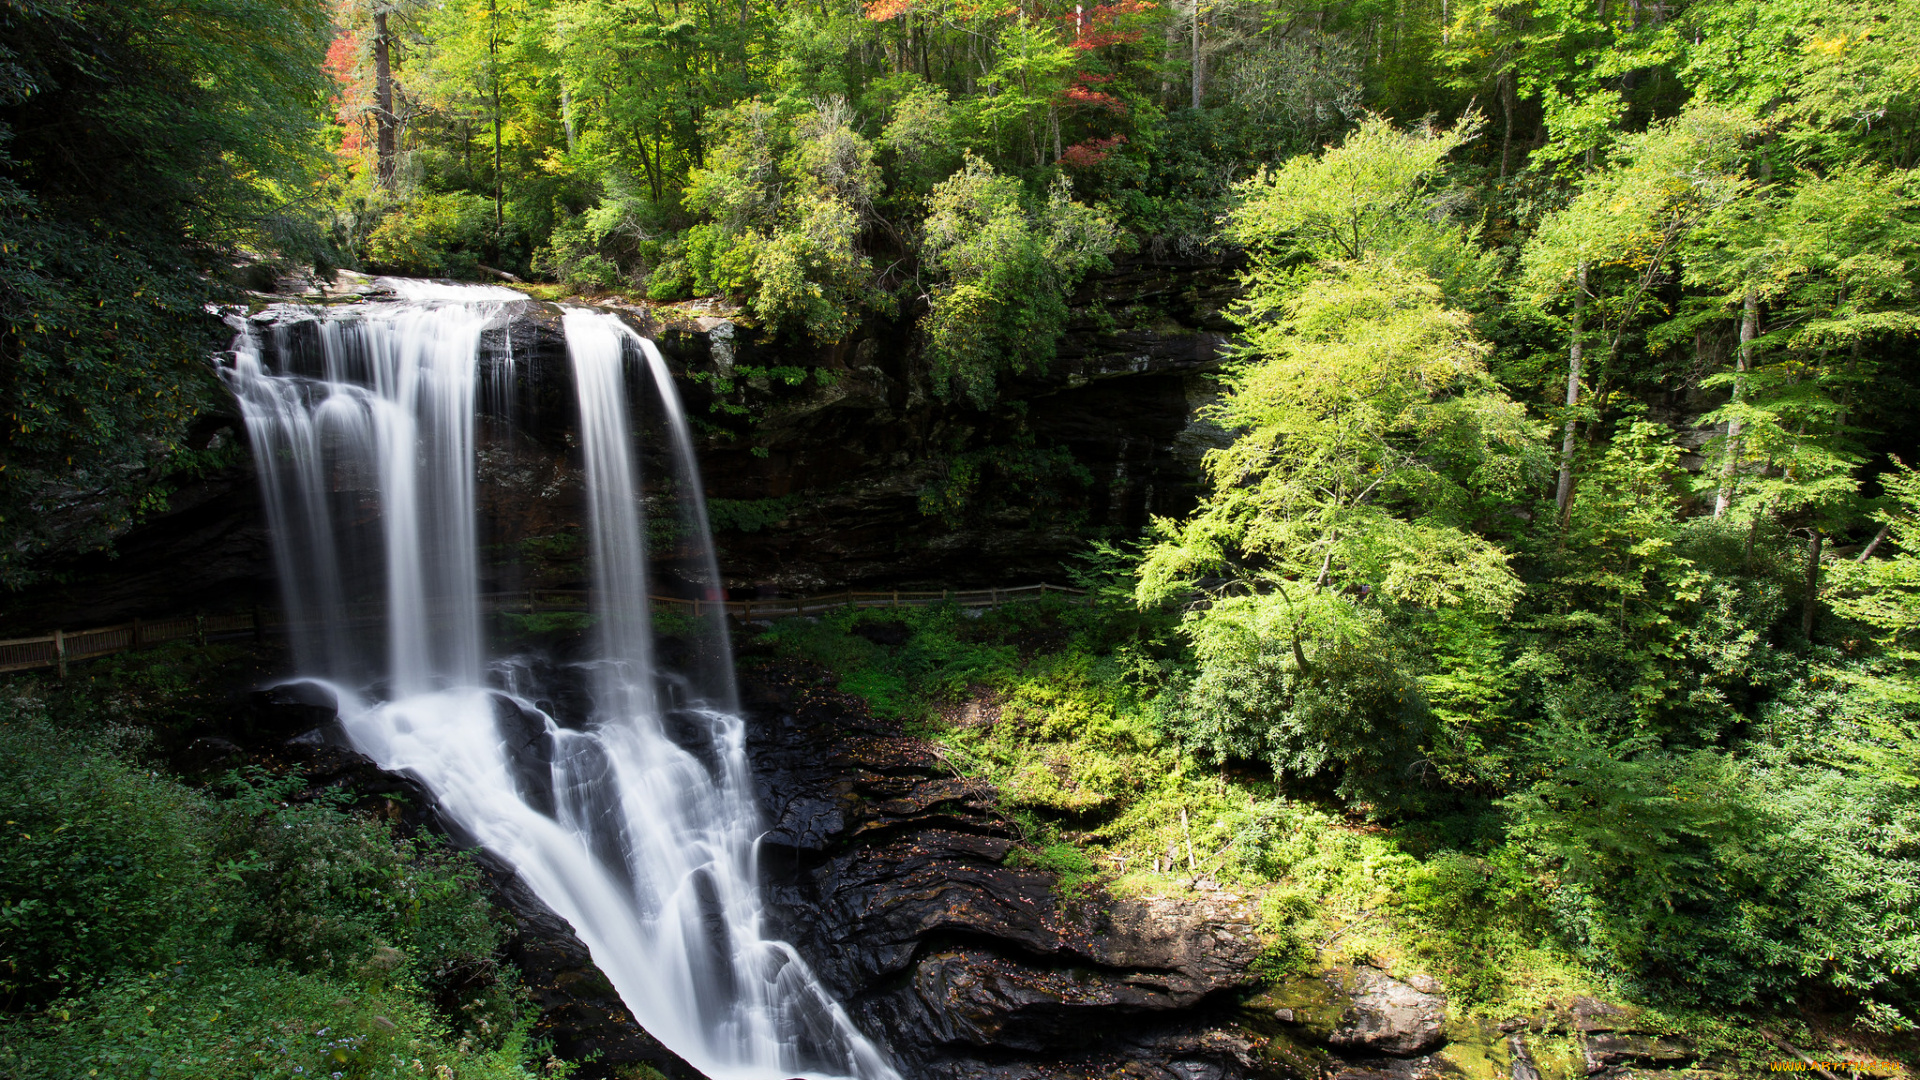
[
  {"x": 1883, "y": 594},
  {"x": 1609, "y": 251},
  {"x": 1370, "y": 431},
  {"x": 789, "y": 200},
  {"x": 1377, "y": 197},
  {"x": 1002, "y": 268},
  {"x": 1825, "y": 271},
  {"x": 140, "y": 144},
  {"x": 1831, "y": 76}
]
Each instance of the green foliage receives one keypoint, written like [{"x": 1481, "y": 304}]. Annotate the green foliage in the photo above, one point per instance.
[
  {"x": 1474, "y": 919},
  {"x": 788, "y": 197},
  {"x": 152, "y": 930},
  {"x": 549, "y": 623},
  {"x": 1075, "y": 868},
  {"x": 1691, "y": 877},
  {"x": 139, "y": 141},
  {"x": 439, "y": 235},
  {"x": 1353, "y": 714},
  {"x": 1004, "y": 267},
  {"x": 1372, "y": 199},
  {"x": 98, "y": 862},
  {"x": 1883, "y": 595},
  {"x": 750, "y": 515}
]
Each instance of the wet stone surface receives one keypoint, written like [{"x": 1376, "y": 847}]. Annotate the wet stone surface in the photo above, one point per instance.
[{"x": 888, "y": 872}]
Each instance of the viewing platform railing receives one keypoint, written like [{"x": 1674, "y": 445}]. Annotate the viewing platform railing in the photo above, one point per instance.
[{"x": 61, "y": 647}]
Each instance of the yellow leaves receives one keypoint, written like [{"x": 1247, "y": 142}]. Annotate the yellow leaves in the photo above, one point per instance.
[{"x": 1831, "y": 47}]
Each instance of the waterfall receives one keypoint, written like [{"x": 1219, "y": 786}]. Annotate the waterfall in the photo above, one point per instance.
[{"x": 635, "y": 821}]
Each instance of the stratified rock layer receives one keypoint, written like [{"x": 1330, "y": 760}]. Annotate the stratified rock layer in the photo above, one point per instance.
[{"x": 891, "y": 873}]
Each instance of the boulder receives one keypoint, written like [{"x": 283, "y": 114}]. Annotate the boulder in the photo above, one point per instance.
[
  {"x": 289, "y": 709},
  {"x": 1592, "y": 1014},
  {"x": 1387, "y": 1016}
]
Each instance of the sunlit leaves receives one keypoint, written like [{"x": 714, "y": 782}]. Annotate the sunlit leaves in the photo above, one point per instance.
[{"x": 1004, "y": 266}]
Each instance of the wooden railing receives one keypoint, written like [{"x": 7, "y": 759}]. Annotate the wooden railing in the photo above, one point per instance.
[{"x": 61, "y": 647}]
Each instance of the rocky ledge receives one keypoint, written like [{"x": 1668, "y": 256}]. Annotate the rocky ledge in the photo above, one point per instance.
[{"x": 892, "y": 873}]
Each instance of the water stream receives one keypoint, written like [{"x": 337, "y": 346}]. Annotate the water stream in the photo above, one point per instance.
[{"x": 634, "y": 820}]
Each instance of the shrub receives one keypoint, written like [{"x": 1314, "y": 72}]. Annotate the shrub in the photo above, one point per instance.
[
  {"x": 98, "y": 861},
  {"x": 439, "y": 235},
  {"x": 1007, "y": 268},
  {"x": 1353, "y": 716},
  {"x": 150, "y": 930}
]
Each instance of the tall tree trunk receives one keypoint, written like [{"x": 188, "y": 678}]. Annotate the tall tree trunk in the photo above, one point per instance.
[
  {"x": 1813, "y": 586},
  {"x": 1509, "y": 102},
  {"x": 1199, "y": 69},
  {"x": 493, "y": 63},
  {"x": 566, "y": 113},
  {"x": 1173, "y": 44},
  {"x": 1563, "y": 493},
  {"x": 1743, "y": 363},
  {"x": 385, "y": 122}
]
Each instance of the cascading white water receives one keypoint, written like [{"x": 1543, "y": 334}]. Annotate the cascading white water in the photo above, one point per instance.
[{"x": 636, "y": 823}]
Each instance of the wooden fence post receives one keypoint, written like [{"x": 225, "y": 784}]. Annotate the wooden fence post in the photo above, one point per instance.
[
  {"x": 136, "y": 635},
  {"x": 259, "y": 624},
  {"x": 60, "y": 652}
]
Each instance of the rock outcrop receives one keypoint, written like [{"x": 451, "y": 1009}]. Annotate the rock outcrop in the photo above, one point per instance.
[
  {"x": 1388, "y": 1016},
  {"x": 892, "y": 876}
]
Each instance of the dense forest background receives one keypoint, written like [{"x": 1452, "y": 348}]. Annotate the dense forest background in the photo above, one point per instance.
[{"x": 1568, "y": 528}]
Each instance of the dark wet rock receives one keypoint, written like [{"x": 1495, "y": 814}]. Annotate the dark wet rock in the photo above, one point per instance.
[
  {"x": 1387, "y": 1016},
  {"x": 1524, "y": 1067},
  {"x": 529, "y": 749},
  {"x": 208, "y": 753},
  {"x": 288, "y": 710},
  {"x": 1608, "y": 1052},
  {"x": 208, "y": 550},
  {"x": 1386, "y": 1068},
  {"x": 977, "y": 996},
  {"x": 891, "y": 873}
]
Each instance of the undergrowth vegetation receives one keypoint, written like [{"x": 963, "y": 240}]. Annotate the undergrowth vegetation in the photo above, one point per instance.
[{"x": 149, "y": 928}]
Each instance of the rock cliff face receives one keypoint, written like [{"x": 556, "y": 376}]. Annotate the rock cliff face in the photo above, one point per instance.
[
  {"x": 817, "y": 486},
  {"x": 849, "y": 462}
]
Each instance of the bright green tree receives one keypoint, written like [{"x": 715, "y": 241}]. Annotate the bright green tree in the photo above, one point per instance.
[{"x": 1002, "y": 266}]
